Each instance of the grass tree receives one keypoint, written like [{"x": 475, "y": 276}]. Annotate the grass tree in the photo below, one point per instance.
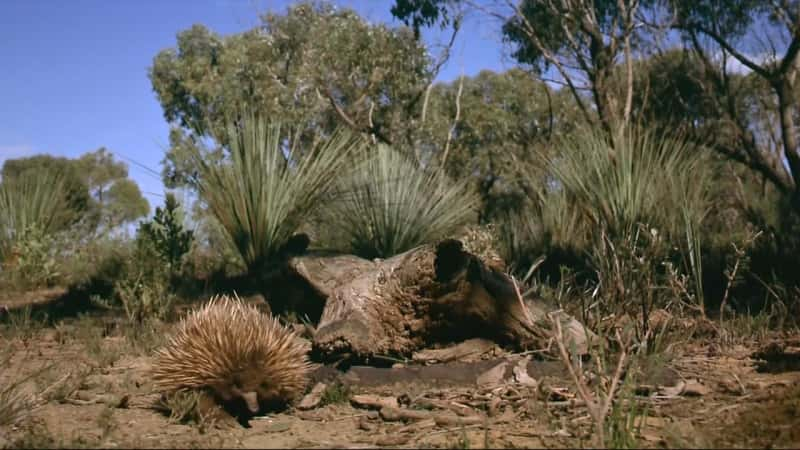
[
  {"x": 31, "y": 205},
  {"x": 620, "y": 210},
  {"x": 657, "y": 180},
  {"x": 388, "y": 205},
  {"x": 263, "y": 192}
]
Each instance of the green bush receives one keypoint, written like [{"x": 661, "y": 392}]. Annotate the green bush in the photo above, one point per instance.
[
  {"x": 166, "y": 234},
  {"x": 36, "y": 263},
  {"x": 389, "y": 204},
  {"x": 144, "y": 289}
]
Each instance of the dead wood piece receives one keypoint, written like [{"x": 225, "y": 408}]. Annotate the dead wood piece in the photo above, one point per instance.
[
  {"x": 467, "y": 351},
  {"x": 494, "y": 406},
  {"x": 391, "y": 440},
  {"x": 392, "y": 414},
  {"x": 521, "y": 376},
  {"x": 429, "y": 403},
  {"x": 416, "y": 426},
  {"x": 694, "y": 388},
  {"x": 326, "y": 273},
  {"x": 373, "y": 401},
  {"x": 446, "y": 420},
  {"x": 430, "y": 294},
  {"x": 313, "y": 398},
  {"x": 365, "y": 425}
]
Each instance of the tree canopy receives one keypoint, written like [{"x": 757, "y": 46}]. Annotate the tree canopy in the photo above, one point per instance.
[
  {"x": 97, "y": 188},
  {"x": 316, "y": 65}
]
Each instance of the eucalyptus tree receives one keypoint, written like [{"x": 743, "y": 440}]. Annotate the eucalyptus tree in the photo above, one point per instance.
[{"x": 316, "y": 67}]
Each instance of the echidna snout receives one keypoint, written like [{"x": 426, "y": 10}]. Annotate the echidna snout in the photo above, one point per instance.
[{"x": 237, "y": 353}]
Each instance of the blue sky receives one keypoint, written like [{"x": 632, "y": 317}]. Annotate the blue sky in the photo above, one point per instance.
[{"x": 73, "y": 73}]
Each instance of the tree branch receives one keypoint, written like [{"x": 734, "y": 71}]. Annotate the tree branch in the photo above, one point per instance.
[
  {"x": 351, "y": 123},
  {"x": 747, "y": 62}
]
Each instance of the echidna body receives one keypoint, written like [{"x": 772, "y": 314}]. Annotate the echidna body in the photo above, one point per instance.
[{"x": 235, "y": 351}]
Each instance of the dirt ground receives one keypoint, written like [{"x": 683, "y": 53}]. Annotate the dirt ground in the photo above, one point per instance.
[{"x": 89, "y": 378}]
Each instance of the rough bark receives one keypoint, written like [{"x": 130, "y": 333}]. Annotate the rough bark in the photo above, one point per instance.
[{"x": 431, "y": 294}]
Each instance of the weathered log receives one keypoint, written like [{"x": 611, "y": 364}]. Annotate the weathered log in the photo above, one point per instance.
[{"x": 426, "y": 295}]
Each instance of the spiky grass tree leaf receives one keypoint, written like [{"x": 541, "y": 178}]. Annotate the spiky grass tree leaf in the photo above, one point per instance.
[
  {"x": 30, "y": 204},
  {"x": 262, "y": 193},
  {"x": 645, "y": 179},
  {"x": 390, "y": 205}
]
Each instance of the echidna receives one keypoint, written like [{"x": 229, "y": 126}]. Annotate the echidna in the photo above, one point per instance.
[{"x": 235, "y": 352}]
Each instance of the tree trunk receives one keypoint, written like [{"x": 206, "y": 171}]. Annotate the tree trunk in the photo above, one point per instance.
[
  {"x": 428, "y": 295},
  {"x": 786, "y": 110}
]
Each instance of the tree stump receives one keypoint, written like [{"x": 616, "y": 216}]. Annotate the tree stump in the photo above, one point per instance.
[{"x": 431, "y": 294}]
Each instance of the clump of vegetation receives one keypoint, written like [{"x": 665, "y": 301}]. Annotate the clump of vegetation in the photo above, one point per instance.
[
  {"x": 644, "y": 178},
  {"x": 31, "y": 211},
  {"x": 147, "y": 287},
  {"x": 266, "y": 190},
  {"x": 336, "y": 393},
  {"x": 618, "y": 216},
  {"x": 166, "y": 233},
  {"x": 389, "y": 204}
]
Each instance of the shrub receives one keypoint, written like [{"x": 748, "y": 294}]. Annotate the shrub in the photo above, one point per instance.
[
  {"x": 166, "y": 234},
  {"x": 390, "y": 205},
  {"x": 144, "y": 288},
  {"x": 33, "y": 260},
  {"x": 264, "y": 192}
]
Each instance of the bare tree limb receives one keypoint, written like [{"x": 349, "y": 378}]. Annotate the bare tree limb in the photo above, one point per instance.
[{"x": 455, "y": 121}]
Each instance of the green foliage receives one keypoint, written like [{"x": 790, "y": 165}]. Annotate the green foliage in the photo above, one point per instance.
[
  {"x": 31, "y": 204},
  {"x": 259, "y": 197},
  {"x": 144, "y": 290},
  {"x": 74, "y": 196},
  {"x": 391, "y": 205},
  {"x": 421, "y": 13},
  {"x": 627, "y": 220},
  {"x": 93, "y": 190},
  {"x": 646, "y": 179},
  {"x": 117, "y": 199},
  {"x": 316, "y": 65},
  {"x": 124, "y": 202},
  {"x": 99, "y": 170},
  {"x": 36, "y": 263},
  {"x": 505, "y": 119},
  {"x": 546, "y": 225},
  {"x": 183, "y": 406},
  {"x": 335, "y": 394},
  {"x": 166, "y": 233}
]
